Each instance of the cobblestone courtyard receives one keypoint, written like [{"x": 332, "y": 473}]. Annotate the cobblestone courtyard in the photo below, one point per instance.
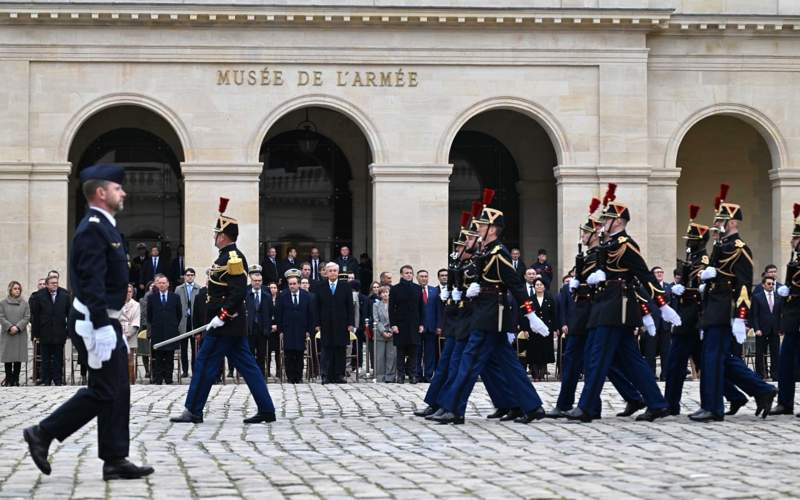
[{"x": 360, "y": 440}]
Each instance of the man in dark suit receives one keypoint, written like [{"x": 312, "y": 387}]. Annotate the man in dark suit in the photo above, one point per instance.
[
  {"x": 295, "y": 319},
  {"x": 765, "y": 318},
  {"x": 291, "y": 262},
  {"x": 271, "y": 267},
  {"x": 153, "y": 265},
  {"x": 426, "y": 357},
  {"x": 163, "y": 319},
  {"x": 49, "y": 316},
  {"x": 770, "y": 271},
  {"x": 177, "y": 267},
  {"x": 259, "y": 319},
  {"x": 406, "y": 313},
  {"x": 187, "y": 293},
  {"x": 137, "y": 266},
  {"x": 316, "y": 264},
  {"x": 347, "y": 264},
  {"x": 335, "y": 319},
  {"x": 517, "y": 263},
  {"x": 543, "y": 268}
]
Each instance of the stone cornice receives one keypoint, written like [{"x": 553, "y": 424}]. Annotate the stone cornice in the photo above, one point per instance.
[
  {"x": 40, "y": 171},
  {"x": 396, "y": 172},
  {"x": 221, "y": 171}
]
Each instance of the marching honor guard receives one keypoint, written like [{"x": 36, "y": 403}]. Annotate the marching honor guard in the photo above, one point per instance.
[
  {"x": 487, "y": 350},
  {"x": 790, "y": 325},
  {"x": 226, "y": 331},
  {"x": 616, "y": 314},
  {"x": 99, "y": 277},
  {"x": 726, "y": 285},
  {"x": 686, "y": 298}
]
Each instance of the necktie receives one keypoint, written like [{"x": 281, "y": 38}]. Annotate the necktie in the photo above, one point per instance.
[
  {"x": 294, "y": 298},
  {"x": 425, "y": 295},
  {"x": 155, "y": 263},
  {"x": 53, "y": 296},
  {"x": 189, "y": 293},
  {"x": 314, "y": 269},
  {"x": 769, "y": 300},
  {"x": 333, "y": 287},
  {"x": 163, "y": 298},
  {"x": 515, "y": 264},
  {"x": 258, "y": 299}
]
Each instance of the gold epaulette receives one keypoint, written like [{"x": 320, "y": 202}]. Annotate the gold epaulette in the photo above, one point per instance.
[
  {"x": 94, "y": 219},
  {"x": 622, "y": 239},
  {"x": 739, "y": 244},
  {"x": 495, "y": 250},
  {"x": 744, "y": 297},
  {"x": 704, "y": 260},
  {"x": 235, "y": 265}
]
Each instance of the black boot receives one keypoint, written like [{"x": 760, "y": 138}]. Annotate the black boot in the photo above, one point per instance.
[
  {"x": 512, "y": 414},
  {"x": 187, "y": 417},
  {"x": 578, "y": 414},
  {"x": 556, "y": 412},
  {"x": 428, "y": 410},
  {"x": 122, "y": 469},
  {"x": 259, "y": 417},
  {"x": 498, "y": 413},
  {"x": 38, "y": 445},
  {"x": 631, "y": 407},
  {"x": 735, "y": 405},
  {"x": 530, "y": 416},
  {"x": 780, "y": 409},
  {"x": 649, "y": 416},
  {"x": 706, "y": 416},
  {"x": 434, "y": 416},
  {"x": 764, "y": 403}
]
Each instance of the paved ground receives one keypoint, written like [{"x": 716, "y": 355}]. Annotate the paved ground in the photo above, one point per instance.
[{"x": 360, "y": 440}]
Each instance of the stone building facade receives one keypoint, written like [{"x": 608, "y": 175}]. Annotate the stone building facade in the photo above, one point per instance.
[{"x": 374, "y": 123}]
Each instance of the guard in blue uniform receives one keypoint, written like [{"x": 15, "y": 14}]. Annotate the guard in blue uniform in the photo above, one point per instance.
[
  {"x": 458, "y": 312},
  {"x": 616, "y": 314},
  {"x": 487, "y": 347},
  {"x": 726, "y": 285},
  {"x": 578, "y": 334},
  {"x": 686, "y": 300},
  {"x": 790, "y": 325},
  {"x": 226, "y": 332},
  {"x": 98, "y": 274}
]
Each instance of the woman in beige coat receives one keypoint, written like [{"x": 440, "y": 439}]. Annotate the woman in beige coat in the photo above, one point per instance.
[
  {"x": 14, "y": 317},
  {"x": 130, "y": 320}
]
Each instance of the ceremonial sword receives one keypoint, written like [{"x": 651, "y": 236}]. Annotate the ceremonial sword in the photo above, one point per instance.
[{"x": 182, "y": 336}]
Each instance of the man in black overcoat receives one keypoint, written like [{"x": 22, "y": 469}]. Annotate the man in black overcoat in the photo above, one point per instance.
[
  {"x": 335, "y": 319},
  {"x": 406, "y": 311}
]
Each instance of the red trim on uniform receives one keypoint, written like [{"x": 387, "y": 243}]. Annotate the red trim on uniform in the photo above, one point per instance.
[
  {"x": 743, "y": 312},
  {"x": 645, "y": 309},
  {"x": 660, "y": 300},
  {"x": 527, "y": 306},
  {"x": 224, "y": 314}
]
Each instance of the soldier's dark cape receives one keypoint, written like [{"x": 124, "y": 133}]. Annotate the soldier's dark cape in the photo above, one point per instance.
[
  {"x": 689, "y": 305},
  {"x": 577, "y": 324}
]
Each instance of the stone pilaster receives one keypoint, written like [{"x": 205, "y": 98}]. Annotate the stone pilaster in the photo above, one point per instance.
[
  {"x": 204, "y": 183},
  {"x": 575, "y": 187},
  {"x": 785, "y": 193},
  {"x": 409, "y": 207},
  {"x": 662, "y": 236}
]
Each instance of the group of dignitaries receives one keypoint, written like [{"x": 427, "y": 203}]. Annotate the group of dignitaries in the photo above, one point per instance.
[{"x": 613, "y": 295}]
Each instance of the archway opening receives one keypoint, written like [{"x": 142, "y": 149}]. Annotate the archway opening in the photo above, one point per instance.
[
  {"x": 512, "y": 153},
  {"x": 315, "y": 188},
  {"x": 148, "y": 148},
  {"x": 726, "y": 149}
]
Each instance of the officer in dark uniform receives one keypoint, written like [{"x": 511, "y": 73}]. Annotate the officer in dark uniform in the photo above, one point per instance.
[
  {"x": 727, "y": 282},
  {"x": 790, "y": 326},
  {"x": 686, "y": 300},
  {"x": 616, "y": 315},
  {"x": 99, "y": 277},
  {"x": 226, "y": 332},
  {"x": 457, "y": 313},
  {"x": 579, "y": 335},
  {"x": 487, "y": 350}
]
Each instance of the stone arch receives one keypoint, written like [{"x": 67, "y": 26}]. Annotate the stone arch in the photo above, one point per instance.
[
  {"x": 529, "y": 108},
  {"x": 122, "y": 99},
  {"x": 758, "y": 120},
  {"x": 324, "y": 101}
]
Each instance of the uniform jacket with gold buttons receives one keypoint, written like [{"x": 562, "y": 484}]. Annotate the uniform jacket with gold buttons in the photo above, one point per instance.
[
  {"x": 227, "y": 288},
  {"x": 728, "y": 294}
]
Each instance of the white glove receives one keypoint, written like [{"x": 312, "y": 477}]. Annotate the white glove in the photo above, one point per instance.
[
  {"x": 444, "y": 295},
  {"x": 573, "y": 284},
  {"x": 215, "y": 323},
  {"x": 596, "y": 277},
  {"x": 669, "y": 315},
  {"x": 473, "y": 290},
  {"x": 456, "y": 294},
  {"x": 783, "y": 291},
  {"x": 701, "y": 334},
  {"x": 510, "y": 336},
  {"x": 649, "y": 324},
  {"x": 105, "y": 340},
  {"x": 537, "y": 325},
  {"x": 739, "y": 330},
  {"x": 678, "y": 290},
  {"x": 701, "y": 287},
  {"x": 708, "y": 273}
]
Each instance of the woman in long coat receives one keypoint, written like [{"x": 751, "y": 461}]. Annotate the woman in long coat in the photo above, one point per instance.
[
  {"x": 540, "y": 349},
  {"x": 14, "y": 317}
]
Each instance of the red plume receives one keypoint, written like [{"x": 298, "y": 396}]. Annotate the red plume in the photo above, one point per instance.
[
  {"x": 693, "y": 211},
  {"x": 717, "y": 202},
  {"x": 488, "y": 196},
  {"x": 465, "y": 218},
  {"x": 610, "y": 193},
  {"x": 723, "y": 191},
  {"x": 476, "y": 208},
  {"x": 594, "y": 204},
  {"x": 796, "y": 210},
  {"x": 223, "y": 204}
]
